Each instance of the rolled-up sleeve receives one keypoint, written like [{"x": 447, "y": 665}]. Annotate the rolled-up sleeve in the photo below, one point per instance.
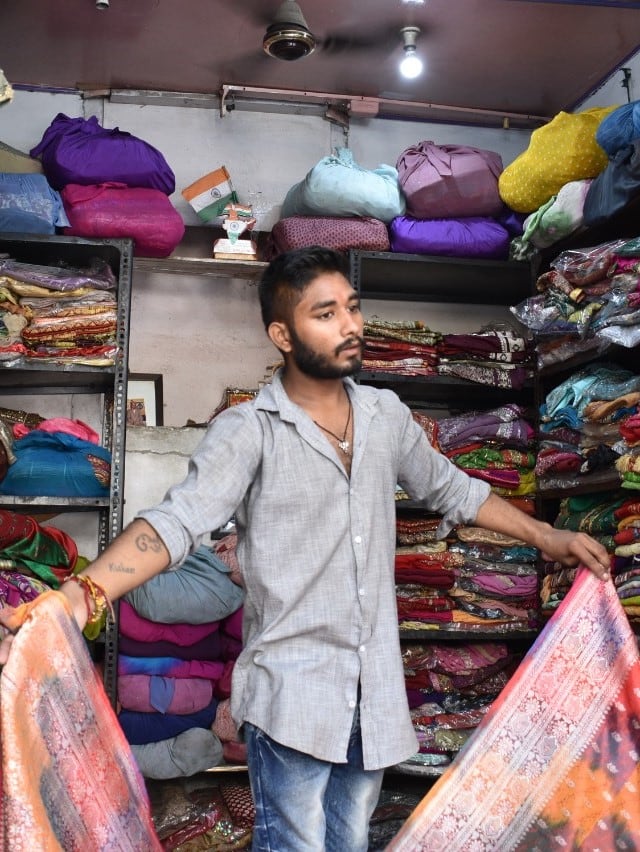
[
  {"x": 430, "y": 477},
  {"x": 220, "y": 472}
]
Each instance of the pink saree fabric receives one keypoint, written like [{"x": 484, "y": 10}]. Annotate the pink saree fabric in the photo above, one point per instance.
[
  {"x": 69, "y": 781},
  {"x": 555, "y": 763}
]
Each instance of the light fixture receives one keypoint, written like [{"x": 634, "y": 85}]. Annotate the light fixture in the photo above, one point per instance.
[
  {"x": 411, "y": 64},
  {"x": 288, "y": 37}
]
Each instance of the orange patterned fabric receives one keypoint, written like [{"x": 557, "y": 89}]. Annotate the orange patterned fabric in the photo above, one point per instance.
[
  {"x": 555, "y": 763},
  {"x": 69, "y": 781}
]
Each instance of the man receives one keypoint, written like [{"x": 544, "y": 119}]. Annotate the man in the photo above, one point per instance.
[{"x": 309, "y": 469}]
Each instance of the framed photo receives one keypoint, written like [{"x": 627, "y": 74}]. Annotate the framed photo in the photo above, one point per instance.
[{"x": 144, "y": 399}]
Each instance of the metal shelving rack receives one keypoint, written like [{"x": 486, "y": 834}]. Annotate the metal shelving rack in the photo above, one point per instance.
[{"x": 59, "y": 378}]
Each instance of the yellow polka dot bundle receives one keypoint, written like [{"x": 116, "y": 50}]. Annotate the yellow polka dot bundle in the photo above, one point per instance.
[{"x": 563, "y": 150}]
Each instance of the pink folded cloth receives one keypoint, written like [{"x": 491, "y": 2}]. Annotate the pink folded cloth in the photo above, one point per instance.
[
  {"x": 143, "y": 630},
  {"x": 155, "y": 693}
]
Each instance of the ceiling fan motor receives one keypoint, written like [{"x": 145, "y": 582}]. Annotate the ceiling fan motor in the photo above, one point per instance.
[{"x": 288, "y": 37}]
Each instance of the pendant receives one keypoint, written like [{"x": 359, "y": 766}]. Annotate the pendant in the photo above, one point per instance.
[{"x": 344, "y": 446}]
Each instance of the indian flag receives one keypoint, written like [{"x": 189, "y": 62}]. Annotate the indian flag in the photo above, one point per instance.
[{"x": 210, "y": 194}]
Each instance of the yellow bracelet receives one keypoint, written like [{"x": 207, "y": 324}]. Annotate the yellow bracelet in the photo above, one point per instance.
[{"x": 98, "y": 604}]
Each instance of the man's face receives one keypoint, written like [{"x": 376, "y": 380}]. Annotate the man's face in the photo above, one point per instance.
[{"x": 326, "y": 331}]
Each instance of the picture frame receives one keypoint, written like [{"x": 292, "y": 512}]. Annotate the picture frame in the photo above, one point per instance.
[{"x": 144, "y": 399}]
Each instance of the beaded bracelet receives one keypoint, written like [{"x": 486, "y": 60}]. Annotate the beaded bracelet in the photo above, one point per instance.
[{"x": 98, "y": 604}]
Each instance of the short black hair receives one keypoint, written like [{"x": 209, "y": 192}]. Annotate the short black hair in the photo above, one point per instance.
[{"x": 289, "y": 274}]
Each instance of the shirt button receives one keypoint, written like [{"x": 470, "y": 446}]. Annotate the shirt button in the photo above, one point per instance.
[
  {"x": 361, "y": 592},
  {"x": 352, "y": 704},
  {"x": 358, "y": 539},
  {"x": 351, "y": 491},
  {"x": 362, "y": 649}
]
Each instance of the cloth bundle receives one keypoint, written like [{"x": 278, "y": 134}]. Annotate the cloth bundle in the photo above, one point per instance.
[
  {"x": 113, "y": 185},
  {"x": 114, "y": 210},
  {"x": 180, "y": 636},
  {"x": 409, "y": 348},
  {"x": 563, "y": 150},
  {"x": 340, "y": 233},
  {"x": 338, "y": 186}
]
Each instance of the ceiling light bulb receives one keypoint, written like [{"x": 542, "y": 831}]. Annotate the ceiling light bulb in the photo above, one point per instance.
[{"x": 411, "y": 65}]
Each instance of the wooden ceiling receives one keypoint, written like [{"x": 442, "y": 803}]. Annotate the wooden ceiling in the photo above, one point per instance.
[{"x": 512, "y": 56}]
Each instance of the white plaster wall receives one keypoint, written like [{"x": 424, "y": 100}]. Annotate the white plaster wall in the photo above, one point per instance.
[{"x": 157, "y": 457}]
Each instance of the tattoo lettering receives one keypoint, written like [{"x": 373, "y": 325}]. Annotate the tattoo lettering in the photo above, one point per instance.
[
  {"x": 146, "y": 542},
  {"x": 121, "y": 569}
]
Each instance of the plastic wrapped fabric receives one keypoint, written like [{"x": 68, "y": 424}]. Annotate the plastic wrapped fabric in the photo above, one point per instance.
[
  {"x": 614, "y": 188},
  {"x": 27, "y": 202}
]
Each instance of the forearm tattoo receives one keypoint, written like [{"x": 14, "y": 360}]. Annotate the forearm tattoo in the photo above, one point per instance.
[
  {"x": 146, "y": 542},
  {"x": 119, "y": 568}
]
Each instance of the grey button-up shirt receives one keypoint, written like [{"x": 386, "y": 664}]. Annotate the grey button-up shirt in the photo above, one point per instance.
[{"x": 317, "y": 550}]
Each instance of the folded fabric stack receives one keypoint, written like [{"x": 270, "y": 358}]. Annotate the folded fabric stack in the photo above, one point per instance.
[
  {"x": 409, "y": 348},
  {"x": 180, "y": 634},
  {"x": 613, "y": 517},
  {"x": 494, "y": 445},
  {"x": 50, "y": 313},
  {"x": 450, "y": 689},
  {"x": 405, "y": 347},
  {"x": 497, "y": 358},
  {"x": 628, "y": 465},
  {"x": 588, "y": 299},
  {"x": 585, "y": 421},
  {"x": 626, "y": 559},
  {"x": 475, "y": 581}
]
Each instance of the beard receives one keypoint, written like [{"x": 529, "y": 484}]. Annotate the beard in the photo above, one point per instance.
[{"x": 318, "y": 366}]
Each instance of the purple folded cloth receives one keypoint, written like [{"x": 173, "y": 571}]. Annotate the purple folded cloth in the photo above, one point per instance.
[{"x": 209, "y": 648}]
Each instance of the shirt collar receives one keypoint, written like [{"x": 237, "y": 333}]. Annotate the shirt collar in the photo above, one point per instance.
[{"x": 273, "y": 397}]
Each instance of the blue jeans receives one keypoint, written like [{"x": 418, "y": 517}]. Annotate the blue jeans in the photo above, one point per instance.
[{"x": 308, "y": 805}]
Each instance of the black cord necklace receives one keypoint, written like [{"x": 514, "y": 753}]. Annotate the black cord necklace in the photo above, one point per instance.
[{"x": 343, "y": 444}]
